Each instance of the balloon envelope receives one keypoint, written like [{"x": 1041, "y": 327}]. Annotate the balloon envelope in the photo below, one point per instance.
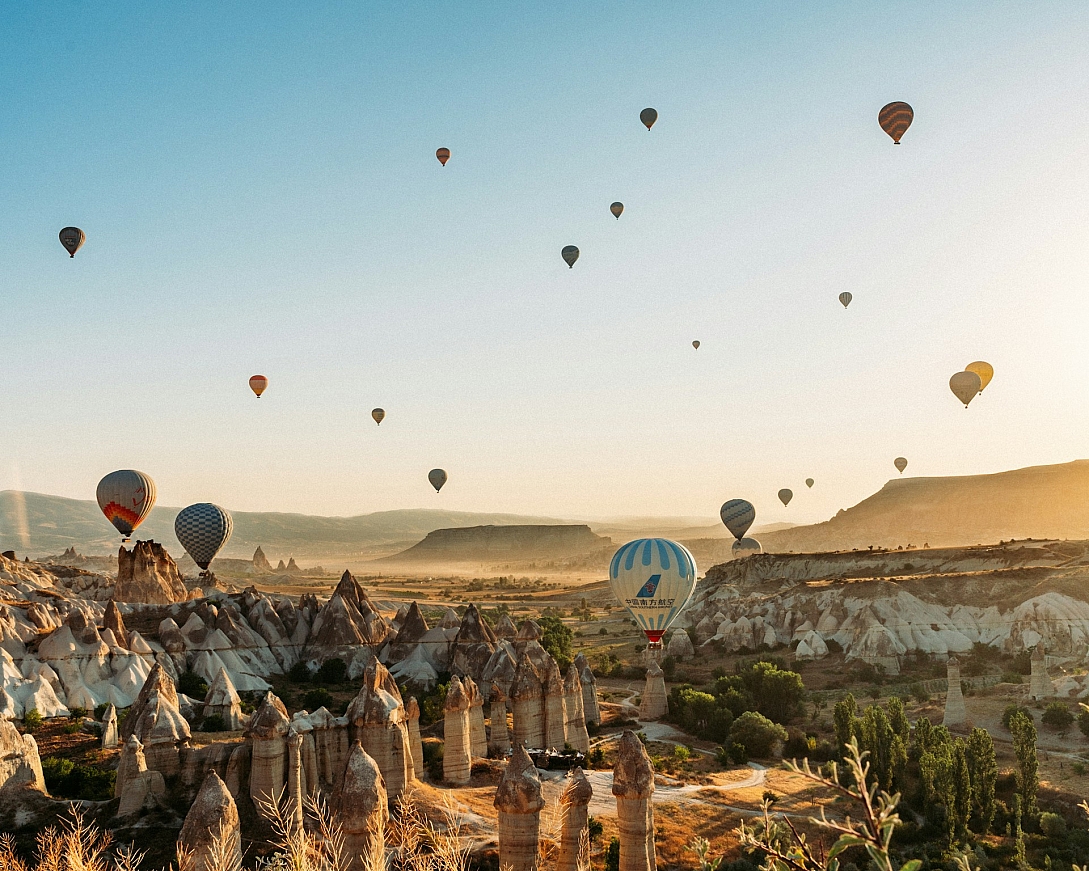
[
  {"x": 72, "y": 238},
  {"x": 203, "y": 529},
  {"x": 900, "y": 464},
  {"x": 570, "y": 254},
  {"x": 258, "y": 383},
  {"x": 737, "y": 515},
  {"x": 696, "y": 344},
  {"x": 985, "y": 371},
  {"x": 617, "y": 209},
  {"x": 653, "y": 578},
  {"x": 443, "y": 154},
  {"x": 648, "y": 116},
  {"x": 437, "y": 477},
  {"x": 379, "y": 414},
  {"x": 965, "y": 386},
  {"x": 785, "y": 496},
  {"x": 746, "y": 547},
  {"x": 895, "y": 118},
  {"x": 809, "y": 482},
  {"x": 126, "y": 497},
  {"x": 846, "y": 298}
]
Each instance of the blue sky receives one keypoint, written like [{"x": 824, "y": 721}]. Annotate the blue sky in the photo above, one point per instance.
[{"x": 260, "y": 194}]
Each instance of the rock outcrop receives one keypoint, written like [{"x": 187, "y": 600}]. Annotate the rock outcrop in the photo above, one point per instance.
[
  {"x": 223, "y": 701},
  {"x": 655, "y": 701},
  {"x": 478, "y": 736},
  {"x": 575, "y": 724},
  {"x": 415, "y": 742},
  {"x": 20, "y": 765},
  {"x": 260, "y": 561},
  {"x": 956, "y": 717},
  {"x": 555, "y": 715},
  {"x": 378, "y": 716},
  {"x": 633, "y": 786},
  {"x": 680, "y": 645},
  {"x": 499, "y": 737},
  {"x": 519, "y": 801},
  {"x": 348, "y": 621},
  {"x": 527, "y": 701},
  {"x": 457, "y": 761},
  {"x": 574, "y": 852},
  {"x": 1039, "y": 682},
  {"x": 211, "y": 838},
  {"x": 148, "y": 574},
  {"x": 267, "y": 731},
  {"x": 109, "y": 729},
  {"x": 361, "y": 807}
]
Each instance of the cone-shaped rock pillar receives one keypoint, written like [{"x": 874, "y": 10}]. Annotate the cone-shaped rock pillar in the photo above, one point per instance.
[
  {"x": 956, "y": 717},
  {"x": 555, "y": 715},
  {"x": 527, "y": 698},
  {"x": 457, "y": 760},
  {"x": 655, "y": 701},
  {"x": 575, "y": 726},
  {"x": 415, "y": 742},
  {"x": 1039, "y": 682},
  {"x": 211, "y": 828},
  {"x": 574, "y": 854},
  {"x": 109, "y": 728},
  {"x": 633, "y": 786},
  {"x": 499, "y": 738},
  {"x": 478, "y": 736},
  {"x": 362, "y": 810},
  {"x": 518, "y": 800}
]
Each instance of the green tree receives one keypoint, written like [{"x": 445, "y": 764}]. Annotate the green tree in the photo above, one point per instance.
[
  {"x": 1083, "y": 721},
  {"x": 556, "y": 639},
  {"x": 776, "y": 693},
  {"x": 898, "y": 719},
  {"x": 983, "y": 773},
  {"x": 612, "y": 855},
  {"x": 962, "y": 793},
  {"x": 332, "y": 671},
  {"x": 32, "y": 720},
  {"x": 193, "y": 685},
  {"x": 1028, "y": 765},
  {"x": 876, "y": 734},
  {"x": 1057, "y": 717},
  {"x": 843, "y": 715},
  {"x": 757, "y": 734}
]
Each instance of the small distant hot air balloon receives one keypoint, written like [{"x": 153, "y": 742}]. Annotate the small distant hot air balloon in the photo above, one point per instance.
[
  {"x": 648, "y": 116},
  {"x": 696, "y": 344},
  {"x": 985, "y": 371},
  {"x": 443, "y": 154},
  {"x": 846, "y": 298},
  {"x": 617, "y": 209},
  {"x": 72, "y": 238},
  {"x": 378, "y": 414},
  {"x": 900, "y": 464},
  {"x": 965, "y": 386},
  {"x": 437, "y": 477},
  {"x": 809, "y": 482},
  {"x": 126, "y": 497},
  {"x": 737, "y": 516},
  {"x": 570, "y": 254},
  {"x": 895, "y": 118},
  {"x": 785, "y": 496},
  {"x": 654, "y": 579},
  {"x": 746, "y": 547},
  {"x": 258, "y": 383},
  {"x": 203, "y": 529}
]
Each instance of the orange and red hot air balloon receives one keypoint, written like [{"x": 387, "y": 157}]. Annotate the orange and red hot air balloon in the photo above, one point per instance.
[
  {"x": 258, "y": 383},
  {"x": 443, "y": 154},
  {"x": 895, "y": 118}
]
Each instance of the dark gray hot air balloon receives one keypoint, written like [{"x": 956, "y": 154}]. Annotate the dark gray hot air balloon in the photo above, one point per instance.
[
  {"x": 72, "y": 238},
  {"x": 648, "y": 116},
  {"x": 965, "y": 386},
  {"x": 379, "y": 414},
  {"x": 570, "y": 254},
  {"x": 437, "y": 477},
  {"x": 617, "y": 209},
  {"x": 901, "y": 463},
  {"x": 737, "y": 515},
  {"x": 203, "y": 529},
  {"x": 846, "y": 298},
  {"x": 785, "y": 496},
  {"x": 696, "y": 344}
]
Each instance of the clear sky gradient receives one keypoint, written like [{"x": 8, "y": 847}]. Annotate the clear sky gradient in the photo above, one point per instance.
[{"x": 260, "y": 194}]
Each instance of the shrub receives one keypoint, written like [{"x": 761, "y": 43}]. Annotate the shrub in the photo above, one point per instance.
[
  {"x": 669, "y": 667},
  {"x": 193, "y": 685},
  {"x": 1057, "y": 717},
  {"x": 556, "y": 639},
  {"x": 1012, "y": 711},
  {"x": 797, "y": 745},
  {"x": 602, "y": 631},
  {"x": 681, "y": 753},
  {"x": 66, "y": 779},
  {"x": 594, "y": 829},
  {"x": 1079, "y": 768},
  {"x": 72, "y": 727},
  {"x": 299, "y": 673},
  {"x": 77, "y": 713},
  {"x": 318, "y": 698},
  {"x": 612, "y": 855},
  {"x": 1053, "y": 826},
  {"x": 736, "y": 754},
  {"x": 214, "y": 723},
  {"x": 332, "y": 671},
  {"x": 757, "y": 734},
  {"x": 32, "y": 720},
  {"x": 100, "y": 710},
  {"x": 433, "y": 752}
]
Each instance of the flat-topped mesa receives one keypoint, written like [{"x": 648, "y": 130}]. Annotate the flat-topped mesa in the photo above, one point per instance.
[
  {"x": 415, "y": 742},
  {"x": 348, "y": 619},
  {"x": 633, "y": 786},
  {"x": 478, "y": 736},
  {"x": 527, "y": 702},
  {"x": 147, "y": 574},
  {"x": 555, "y": 714},
  {"x": 378, "y": 716},
  {"x": 575, "y": 724},
  {"x": 519, "y": 801},
  {"x": 655, "y": 701},
  {"x": 113, "y": 621},
  {"x": 267, "y": 731},
  {"x": 574, "y": 853},
  {"x": 223, "y": 701},
  {"x": 457, "y": 761},
  {"x": 211, "y": 829},
  {"x": 499, "y": 737},
  {"x": 473, "y": 645},
  {"x": 361, "y": 807}
]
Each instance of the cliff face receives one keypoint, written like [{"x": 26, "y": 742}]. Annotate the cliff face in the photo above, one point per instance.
[
  {"x": 477, "y": 543},
  {"x": 149, "y": 575}
]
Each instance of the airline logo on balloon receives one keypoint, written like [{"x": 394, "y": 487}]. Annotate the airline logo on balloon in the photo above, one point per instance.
[{"x": 649, "y": 587}]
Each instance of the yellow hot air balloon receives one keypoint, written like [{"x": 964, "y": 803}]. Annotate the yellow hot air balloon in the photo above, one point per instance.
[
  {"x": 895, "y": 118},
  {"x": 985, "y": 371},
  {"x": 965, "y": 386}
]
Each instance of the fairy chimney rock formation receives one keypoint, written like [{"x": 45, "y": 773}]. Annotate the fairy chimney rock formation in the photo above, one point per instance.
[
  {"x": 955, "y": 715},
  {"x": 555, "y": 715},
  {"x": 518, "y": 800},
  {"x": 267, "y": 731},
  {"x": 411, "y": 632},
  {"x": 211, "y": 828},
  {"x": 505, "y": 628},
  {"x": 473, "y": 645},
  {"x": 574, "y": 854},
  {"x": 633, "y": 786},
  {"x": 590, "y": 710},
  {"x": 575, "y": 725},
  {"x": 527, "y": 701},
  {"x": 20, "y": 765},
  {"x": 457, "y": 762},
  {"x": 415, "y": 742},
  {"x": 148, "y": 574},
  {"x": 680, "y": 645},
  {"x": 138, "y": 788},
  {"x": 113, "y": 621},
  {"x": 478, "y": 736},
  {"x": 260, "y": 561},
  {"x": 223, "y": 701},
  {"x": 360, "y": 805},
  {"x": 1039, "y": 682},
  {"x": 347, "y": 620},
  {"x": 378, "y": 715},
  {"x": 156, "y": 719},
  {"x": 109, "y": 728},
  {"x": 655, "y": 700},
  {"x": 499, "y": 738},
  {"x": 292, "y": 566}
]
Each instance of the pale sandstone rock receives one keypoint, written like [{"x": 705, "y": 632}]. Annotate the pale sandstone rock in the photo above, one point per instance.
[
  {"x": 575, "y": 732},
  {"x": 655, "y": 701},
  {"x": 633, "y": 786},
  {"x": 527, "y": 702},
  {"x": 680, "y": 645},
  {"x": 361, "y": 807},
  {"x": 519, "y": 801},
  {"x": 956, "y": 717},
  {"x": 478, "y": 736},
  {"x": 211, "y": 826},
  {"x": 574, "y": 852},
  {"x": 1039, "y": 683},
  {"x": 412, "y": 714},
  {"x": 223, "y": 700},
  {"x": 457, "y": 762},
  {"x": 555, "y": 716},
  {"x": 267, "y": 731},
  {"x": 591, "y": 711},
  {"x": 378, "y": 715},
  {"x": 499, "y": 737},
  {"x": 20, "y": 765},
  {"x": 109, "y": 729},
  {"x": 148, "y": 574}
]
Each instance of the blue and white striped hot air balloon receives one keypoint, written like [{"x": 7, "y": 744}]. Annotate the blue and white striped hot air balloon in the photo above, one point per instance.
[
  {"x": 654, "y": 579},
  {"x": 203, "y": 529},
  {"x": 737, "y": 515}
]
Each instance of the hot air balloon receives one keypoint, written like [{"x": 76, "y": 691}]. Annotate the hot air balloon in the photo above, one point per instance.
[
  {"x": 72, "y": 238},
  {"x": 258, "y": 383},
  {"x": 809, "y": 482},
  {"x": 654, "y": 579},
  {"x": 985, "y": 371},
  {"x": 846, "y": 298},
  {"x": 126, "y": 497},
  {"x": 437, "y": 477},
  {"x": 570, "y": 254},
  {"x": 617, "y": 209},
  {"x": 443, "y": 154},
  {"x": 737, "y": 515},
  {"x": 203, "y": 529},
  {"x": 895, "y": 118},
  {"x": 379, "y": 414},
  {"x": 785, "y": 496},
  {"x": 965, "y": 386},
  {"x": 648, "y": 116},
  {"x": 746, "y": 547},
  {"x": 696, "y": 344},
  {"x": 900, "y": 464}
]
